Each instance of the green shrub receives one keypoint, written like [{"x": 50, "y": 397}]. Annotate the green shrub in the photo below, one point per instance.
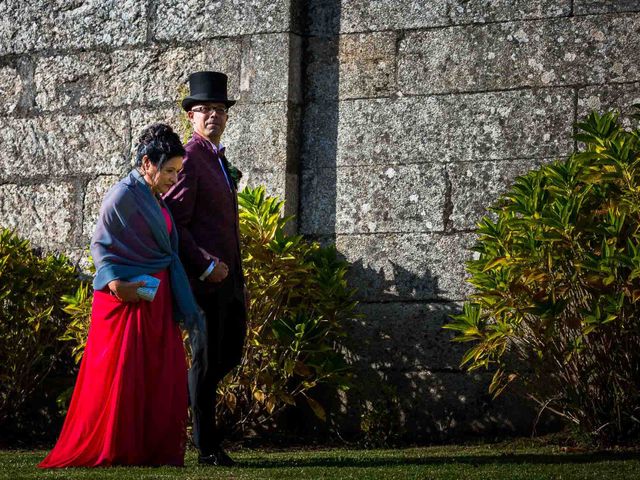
[
  {"x": 381, "y": 423},
  {"x": 299, "y": 300},
  {"x": 31, "y": 322},
  {"x": 557, "y": 280},
  {"x": 78, "y": 307}
]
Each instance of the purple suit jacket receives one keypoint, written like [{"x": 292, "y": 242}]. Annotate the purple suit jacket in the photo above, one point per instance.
[{"x": 205, "y": 211}]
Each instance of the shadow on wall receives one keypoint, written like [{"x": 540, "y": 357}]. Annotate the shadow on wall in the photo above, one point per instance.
[
  {"x": 373, "y": 284},
  {"x": 321, "y": 111},
  {"x": 408, "y": 385}
]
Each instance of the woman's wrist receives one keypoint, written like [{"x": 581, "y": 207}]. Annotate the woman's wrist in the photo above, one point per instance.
[{"x": 113, "y": 286}]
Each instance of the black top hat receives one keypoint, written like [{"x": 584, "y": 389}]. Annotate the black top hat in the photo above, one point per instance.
[{"x": 207, "y": 87}]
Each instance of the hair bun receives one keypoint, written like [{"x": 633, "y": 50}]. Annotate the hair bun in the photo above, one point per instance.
[
  {"x": 155, "y": 131},
  {"x": 159, "y": 142}
]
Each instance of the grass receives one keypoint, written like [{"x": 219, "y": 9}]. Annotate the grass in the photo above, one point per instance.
[{"x": 498, "y": 461}]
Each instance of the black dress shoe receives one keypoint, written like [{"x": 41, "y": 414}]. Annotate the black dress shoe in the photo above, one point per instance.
[{"x": 218, "y": 458}]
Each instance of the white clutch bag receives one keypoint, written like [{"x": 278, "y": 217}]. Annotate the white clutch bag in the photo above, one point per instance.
[{"x": 150, "y": 288}]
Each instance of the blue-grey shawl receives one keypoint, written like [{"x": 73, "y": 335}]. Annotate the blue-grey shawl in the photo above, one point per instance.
[{"x": 131, "y": 238}]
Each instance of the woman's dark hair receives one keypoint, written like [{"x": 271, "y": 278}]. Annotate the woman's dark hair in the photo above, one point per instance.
[{"x": 159, "y": 143}]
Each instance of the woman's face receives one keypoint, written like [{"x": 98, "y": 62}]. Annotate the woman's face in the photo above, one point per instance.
[{"x": 161, "y": 179}]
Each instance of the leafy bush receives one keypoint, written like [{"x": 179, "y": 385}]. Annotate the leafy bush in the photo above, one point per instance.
[
  {"x": 299, "y": 299},
  {"x": 557, "y": 281},
  {"x": 381, "y": 418},
  {"x": 31, "y": 320},
  {"x": 78, "y": 307}
]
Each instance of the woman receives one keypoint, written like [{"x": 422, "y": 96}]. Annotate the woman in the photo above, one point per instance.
[{"x": 129, "y": 404}]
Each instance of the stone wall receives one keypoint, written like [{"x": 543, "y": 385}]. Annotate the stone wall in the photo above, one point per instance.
[
  {"x": 387, "y": 125},
  {"x": 417, "y": 114},
  {"x": 79, "y": 80}
]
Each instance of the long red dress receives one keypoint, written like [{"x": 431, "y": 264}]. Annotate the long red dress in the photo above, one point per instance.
[{"x": 129, "y": 405}]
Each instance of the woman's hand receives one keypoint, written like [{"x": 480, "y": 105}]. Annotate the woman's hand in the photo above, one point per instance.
[{"x": 125, "y": 291}]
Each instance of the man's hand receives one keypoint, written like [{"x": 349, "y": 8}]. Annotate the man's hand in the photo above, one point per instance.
[
  {"x": 219, "y": 273},
  {"x": 125, "y": 291}
]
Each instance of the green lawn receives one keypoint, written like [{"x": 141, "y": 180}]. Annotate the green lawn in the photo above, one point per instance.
[{"x": 485, "y": 462}]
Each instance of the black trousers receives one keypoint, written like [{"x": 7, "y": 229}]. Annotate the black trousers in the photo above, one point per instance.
[{"x": 226, "y": 330}]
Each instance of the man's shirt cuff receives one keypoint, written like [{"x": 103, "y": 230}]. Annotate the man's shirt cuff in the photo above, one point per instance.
[{"x": 208, "y": 271}]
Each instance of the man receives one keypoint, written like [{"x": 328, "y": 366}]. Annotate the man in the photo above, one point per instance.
[{"x": 205, "y": 209}]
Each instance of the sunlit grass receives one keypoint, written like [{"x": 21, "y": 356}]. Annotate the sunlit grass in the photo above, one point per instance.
[{"x": 502, "y": 461}]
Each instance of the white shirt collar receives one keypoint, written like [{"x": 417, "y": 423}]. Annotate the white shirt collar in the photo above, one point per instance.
[{"x": 220, "y": 147}]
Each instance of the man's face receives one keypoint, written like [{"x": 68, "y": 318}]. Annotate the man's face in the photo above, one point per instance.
[{"x": 209, "y": 119}]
